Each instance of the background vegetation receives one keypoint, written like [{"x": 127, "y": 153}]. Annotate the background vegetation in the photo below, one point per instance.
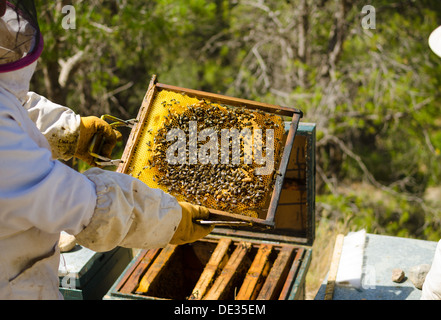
[{"x": 373, "y": 93}]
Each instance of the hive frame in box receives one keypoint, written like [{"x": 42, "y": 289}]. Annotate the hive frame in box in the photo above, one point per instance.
[
  {"x": 301, "y": 171},
  {"x": 212, "y": 284},
  {"x": 239, "y": 270},
  {"x": 218, "y": 215}
]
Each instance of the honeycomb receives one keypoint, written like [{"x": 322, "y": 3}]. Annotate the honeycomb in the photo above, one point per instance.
[{"x": 175, "y": 154}]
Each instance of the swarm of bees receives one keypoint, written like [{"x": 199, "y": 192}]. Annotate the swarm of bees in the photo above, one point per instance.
[{"x": 231, "y": 187}]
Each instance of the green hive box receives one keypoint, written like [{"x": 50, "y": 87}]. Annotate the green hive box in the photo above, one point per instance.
[
  {"x": 88, "y": 275},
  {"x": 175, "y": 272}
]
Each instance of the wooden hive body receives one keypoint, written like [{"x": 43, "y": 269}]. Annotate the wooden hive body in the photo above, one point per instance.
[{"x": 239, "y": 263}]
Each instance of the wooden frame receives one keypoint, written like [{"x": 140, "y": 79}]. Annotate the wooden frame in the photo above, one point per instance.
[
  {"x": 240, "y": 270},
  {"x": 219, "y": 215},
  {"x": 295, "y": 215},
  {"x": 301, "y": 168}
]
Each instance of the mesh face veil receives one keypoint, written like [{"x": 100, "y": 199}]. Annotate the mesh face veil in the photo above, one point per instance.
[
  {"x": 2, "y": 7},
  {"x": 20, "y": 39}
]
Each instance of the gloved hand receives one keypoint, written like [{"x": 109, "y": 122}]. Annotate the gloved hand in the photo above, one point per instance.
[
  {"x": 66, "y": 242},
  {"x": 90, "y": 126},
  {"x": 189, "y": 231}
]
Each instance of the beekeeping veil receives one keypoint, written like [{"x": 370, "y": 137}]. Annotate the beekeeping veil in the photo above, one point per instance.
[{"x": 20, "y": 39}]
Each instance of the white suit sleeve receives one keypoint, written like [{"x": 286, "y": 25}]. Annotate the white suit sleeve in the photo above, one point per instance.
[
  {"x": 129, "y": 214},
  {"x": 59, "y": 124},
  {"x": 36, "y": 191},
  {"x": 432, "y": 284},
  {"x": 103, "y": 209}
]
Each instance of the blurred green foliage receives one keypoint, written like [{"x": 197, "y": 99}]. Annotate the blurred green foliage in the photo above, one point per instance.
[{"x": 373, "y": 93}]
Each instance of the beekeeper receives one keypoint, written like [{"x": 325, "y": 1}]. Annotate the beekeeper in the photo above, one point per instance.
[
  {"x": 432, "y": 285},
  {"x": 41, "y": 197}
]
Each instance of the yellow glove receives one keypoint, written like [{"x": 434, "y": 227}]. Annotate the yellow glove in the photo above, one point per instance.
[
  {"x": 90, "y": 126},
  {"x": 188, "y": 231}
]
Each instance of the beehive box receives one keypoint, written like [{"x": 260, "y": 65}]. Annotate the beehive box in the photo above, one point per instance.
[
  {"x": 238, "y": 263},
  {"x": 295, "y": 214},
  {"x": 227, "y": 154},
  {"x": 88, "y": 275}
]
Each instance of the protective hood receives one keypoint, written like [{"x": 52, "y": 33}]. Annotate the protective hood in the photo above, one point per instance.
[
  {"x": 435, "y": 41},
  {"x": 17, "y": 82},
  {"x": 20, "y": 41}
]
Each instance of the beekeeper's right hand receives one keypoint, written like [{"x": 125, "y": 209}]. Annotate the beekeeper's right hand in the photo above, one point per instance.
[
  {"x": 89, "y": 127},
  {"x": 189, "y": 231}
]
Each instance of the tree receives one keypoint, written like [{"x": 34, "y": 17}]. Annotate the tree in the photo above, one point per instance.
[{"x": 373, "y": 93}]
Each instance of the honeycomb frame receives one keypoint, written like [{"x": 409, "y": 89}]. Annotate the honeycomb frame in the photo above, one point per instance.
[{"x": 151, "y": 117}]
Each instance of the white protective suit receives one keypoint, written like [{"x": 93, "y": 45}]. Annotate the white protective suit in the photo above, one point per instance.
[
  {"x": 40, "y": 196},
  {"x": 432, "y": 284}
]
